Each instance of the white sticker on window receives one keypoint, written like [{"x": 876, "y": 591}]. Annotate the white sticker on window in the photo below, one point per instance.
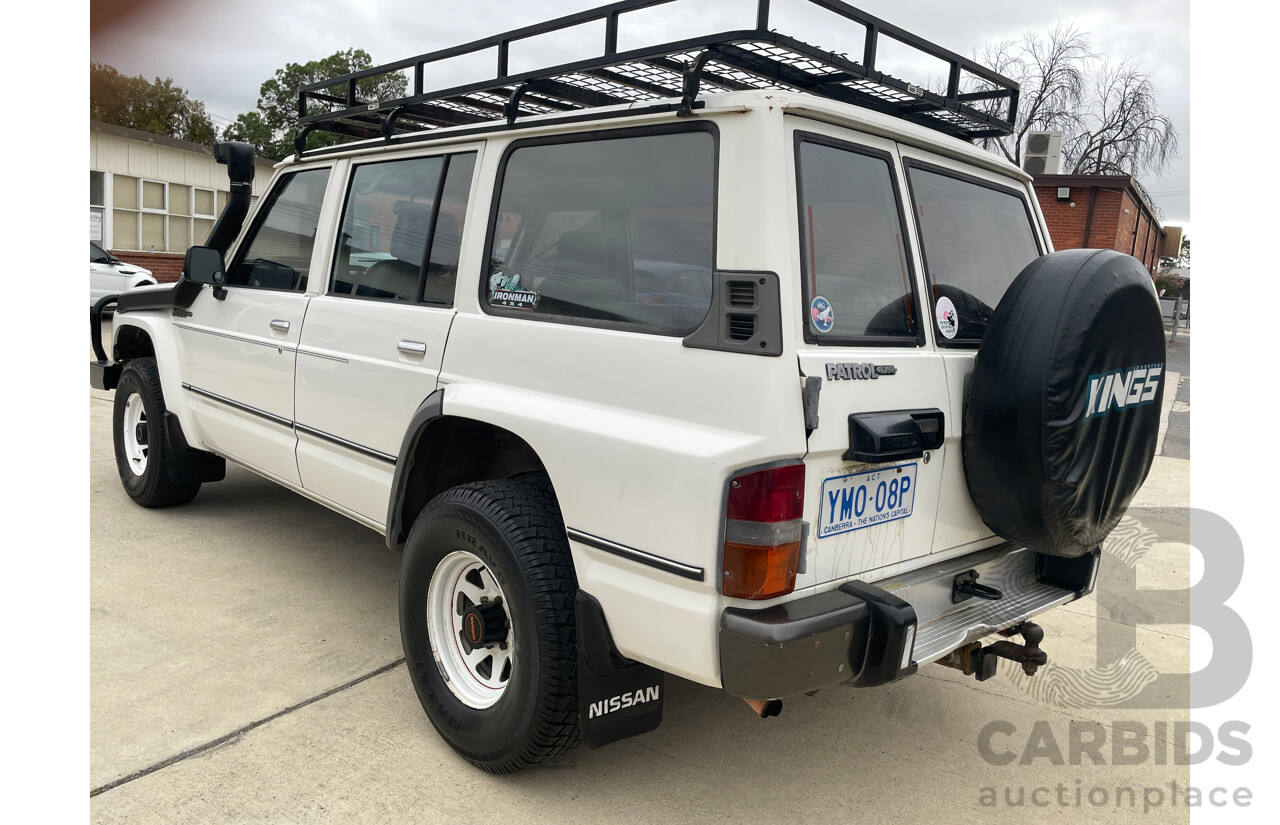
[{"x": 948, "y": 322}]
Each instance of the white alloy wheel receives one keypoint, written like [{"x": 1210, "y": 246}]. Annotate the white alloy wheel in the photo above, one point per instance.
[
  {"x": 135, "y": 433},
  {"x": 470, "y": 630}
]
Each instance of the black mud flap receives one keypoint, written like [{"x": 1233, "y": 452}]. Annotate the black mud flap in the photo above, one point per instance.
[
  {"x": 185, "y": 460},
  {"x": 617, "y": 697}
]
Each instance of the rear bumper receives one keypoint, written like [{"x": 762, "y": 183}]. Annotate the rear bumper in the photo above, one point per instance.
[
  {"x": 866, "y": 635},
  {"x": 858, "y": 634}
]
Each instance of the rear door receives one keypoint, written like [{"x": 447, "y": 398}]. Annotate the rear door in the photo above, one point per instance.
[
  {"x": 977, "y": 231},
  {"x": 867, "y": 341},
  {"x": 372, "y": 345}
]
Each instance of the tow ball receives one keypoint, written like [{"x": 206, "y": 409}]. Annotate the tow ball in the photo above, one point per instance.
[{"x": 980, "y": 662}]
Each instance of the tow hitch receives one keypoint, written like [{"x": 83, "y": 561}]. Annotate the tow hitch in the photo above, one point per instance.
[{"x": 980, "y": 662}]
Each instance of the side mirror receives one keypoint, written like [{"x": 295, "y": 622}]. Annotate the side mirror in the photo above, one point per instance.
[{"x": 203, "y": 265}]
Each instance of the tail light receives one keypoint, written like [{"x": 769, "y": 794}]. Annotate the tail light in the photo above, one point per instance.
[{"x": 762, "y": 532}]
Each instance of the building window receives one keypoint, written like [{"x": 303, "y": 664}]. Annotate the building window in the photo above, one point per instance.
[
  {"x": 155, "y": 205},
  {"x": 97, "y": 205},
  {"x": 204, "y": 211},
  {"x": 179, "y": 216},
  {"x": 124, "y": 194},
  {"x": 152, "y": 215}
]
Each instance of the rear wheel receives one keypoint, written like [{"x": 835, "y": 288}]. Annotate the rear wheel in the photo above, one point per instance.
[
  {"x": 141, "y": 445},
  {"x": 487, "y": 621}
]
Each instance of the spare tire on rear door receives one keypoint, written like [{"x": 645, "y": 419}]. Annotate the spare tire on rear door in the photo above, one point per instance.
[{"x": 1063, "y": 409}]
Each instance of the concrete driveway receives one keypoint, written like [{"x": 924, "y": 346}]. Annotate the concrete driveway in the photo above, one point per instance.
[{"x": 246, "y": 667}]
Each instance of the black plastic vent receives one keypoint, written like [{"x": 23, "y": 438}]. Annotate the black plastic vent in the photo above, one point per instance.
[
  {"x": 742, "y": 294},
  {"x": 742, "y": 327},
  {"x": 745, "y": 315}
]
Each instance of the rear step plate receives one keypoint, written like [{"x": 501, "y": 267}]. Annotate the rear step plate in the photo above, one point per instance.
[{"x": 944, "y": 626}]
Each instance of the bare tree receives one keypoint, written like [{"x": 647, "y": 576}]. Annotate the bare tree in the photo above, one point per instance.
[
  {"x": 1123, "y": 131},
  {"x": 1109, "y": 112},
  {"x": 1052, "y": 73}
]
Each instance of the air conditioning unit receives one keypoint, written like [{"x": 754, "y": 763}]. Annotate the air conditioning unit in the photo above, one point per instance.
[{"x": 1044, "y": 153}]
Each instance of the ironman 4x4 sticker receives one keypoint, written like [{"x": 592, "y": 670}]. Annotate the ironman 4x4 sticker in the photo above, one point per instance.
[
  {"x": 505, "y": 291},
  {"x": 1119, "y": 389}
]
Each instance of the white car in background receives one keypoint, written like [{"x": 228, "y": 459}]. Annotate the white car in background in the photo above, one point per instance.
[{"x": 109, "y": 275}]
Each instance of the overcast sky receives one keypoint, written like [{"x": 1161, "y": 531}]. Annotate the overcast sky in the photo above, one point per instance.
[{"x": 221, "y": 53}]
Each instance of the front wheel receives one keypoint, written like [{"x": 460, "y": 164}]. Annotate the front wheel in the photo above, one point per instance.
[
  {"x": 487, "y": 620},
  {"x": 141, "y": 445}
]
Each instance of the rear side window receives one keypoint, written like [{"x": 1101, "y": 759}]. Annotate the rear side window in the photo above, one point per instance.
[
  {"x": 607, "y": 232},
  {"x": 976, "y": 238},
  {"x": 401, "y": 230},
  {"x": 857, "y": 285}
]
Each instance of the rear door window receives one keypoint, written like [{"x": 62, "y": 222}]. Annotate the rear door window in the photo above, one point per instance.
[
  {"x": 857, "y": 283},
  {"x": 607, "y": 231},
  {"x": 976, "y": 237},
  {"x": 401, "y": 229}
]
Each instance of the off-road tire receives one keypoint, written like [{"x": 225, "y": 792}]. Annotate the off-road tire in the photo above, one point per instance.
[
  {"x": 160, "y": 484},
  {"x": 515, "y": 529}
]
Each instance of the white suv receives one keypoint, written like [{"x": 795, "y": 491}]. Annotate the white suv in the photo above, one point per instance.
[
  {"x": 108, "y": 275},
  {"x": 729, "y": 358}
]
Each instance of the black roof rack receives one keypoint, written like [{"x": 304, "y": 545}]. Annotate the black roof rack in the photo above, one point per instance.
[{"x": 727, "y": 61}]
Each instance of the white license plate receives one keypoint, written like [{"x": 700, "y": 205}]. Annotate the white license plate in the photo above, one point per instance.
[{"x": 861, "y": 500}]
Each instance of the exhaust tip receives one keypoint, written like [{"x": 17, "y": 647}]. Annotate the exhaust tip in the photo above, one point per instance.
[{"x": 765, "y": 708}]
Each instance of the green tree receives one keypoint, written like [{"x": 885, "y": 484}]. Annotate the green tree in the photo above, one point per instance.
[
  {"x": 272, "y": 126},
  {"x": 161, "y": 107},
  {"x": 1169, "y": 284}
]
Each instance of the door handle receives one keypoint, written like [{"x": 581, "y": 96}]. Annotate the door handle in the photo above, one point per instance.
[
  {"x": 280, "y": 326},
  {"x": 878, "y": 437},
  {"x": 412, "y": 348}
]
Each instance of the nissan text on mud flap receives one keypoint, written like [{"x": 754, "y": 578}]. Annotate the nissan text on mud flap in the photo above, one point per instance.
[{"x": 731, "y": 358}]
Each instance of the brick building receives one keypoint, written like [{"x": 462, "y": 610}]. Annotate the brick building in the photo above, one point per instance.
[{"x": 1101, "y": 212}]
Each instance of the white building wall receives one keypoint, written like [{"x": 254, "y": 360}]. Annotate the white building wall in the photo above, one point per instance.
[
  {"x": 109, "y": 153},
  {"x": 114, "y": 156}
]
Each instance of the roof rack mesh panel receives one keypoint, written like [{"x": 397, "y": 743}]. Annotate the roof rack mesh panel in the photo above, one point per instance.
[{"x": 675, "y": 72}]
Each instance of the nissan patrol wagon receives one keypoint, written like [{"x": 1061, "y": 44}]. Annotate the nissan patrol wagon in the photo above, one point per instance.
[{"x": 730, "y": 358}]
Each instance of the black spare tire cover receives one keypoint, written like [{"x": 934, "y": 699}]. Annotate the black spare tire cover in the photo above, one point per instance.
[{"x": 1063, "y": 409}]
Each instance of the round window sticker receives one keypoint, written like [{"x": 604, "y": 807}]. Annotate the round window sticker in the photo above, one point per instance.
[
  {"x": 948, "y": 321},
  {"x": 822, "y": 315}
]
